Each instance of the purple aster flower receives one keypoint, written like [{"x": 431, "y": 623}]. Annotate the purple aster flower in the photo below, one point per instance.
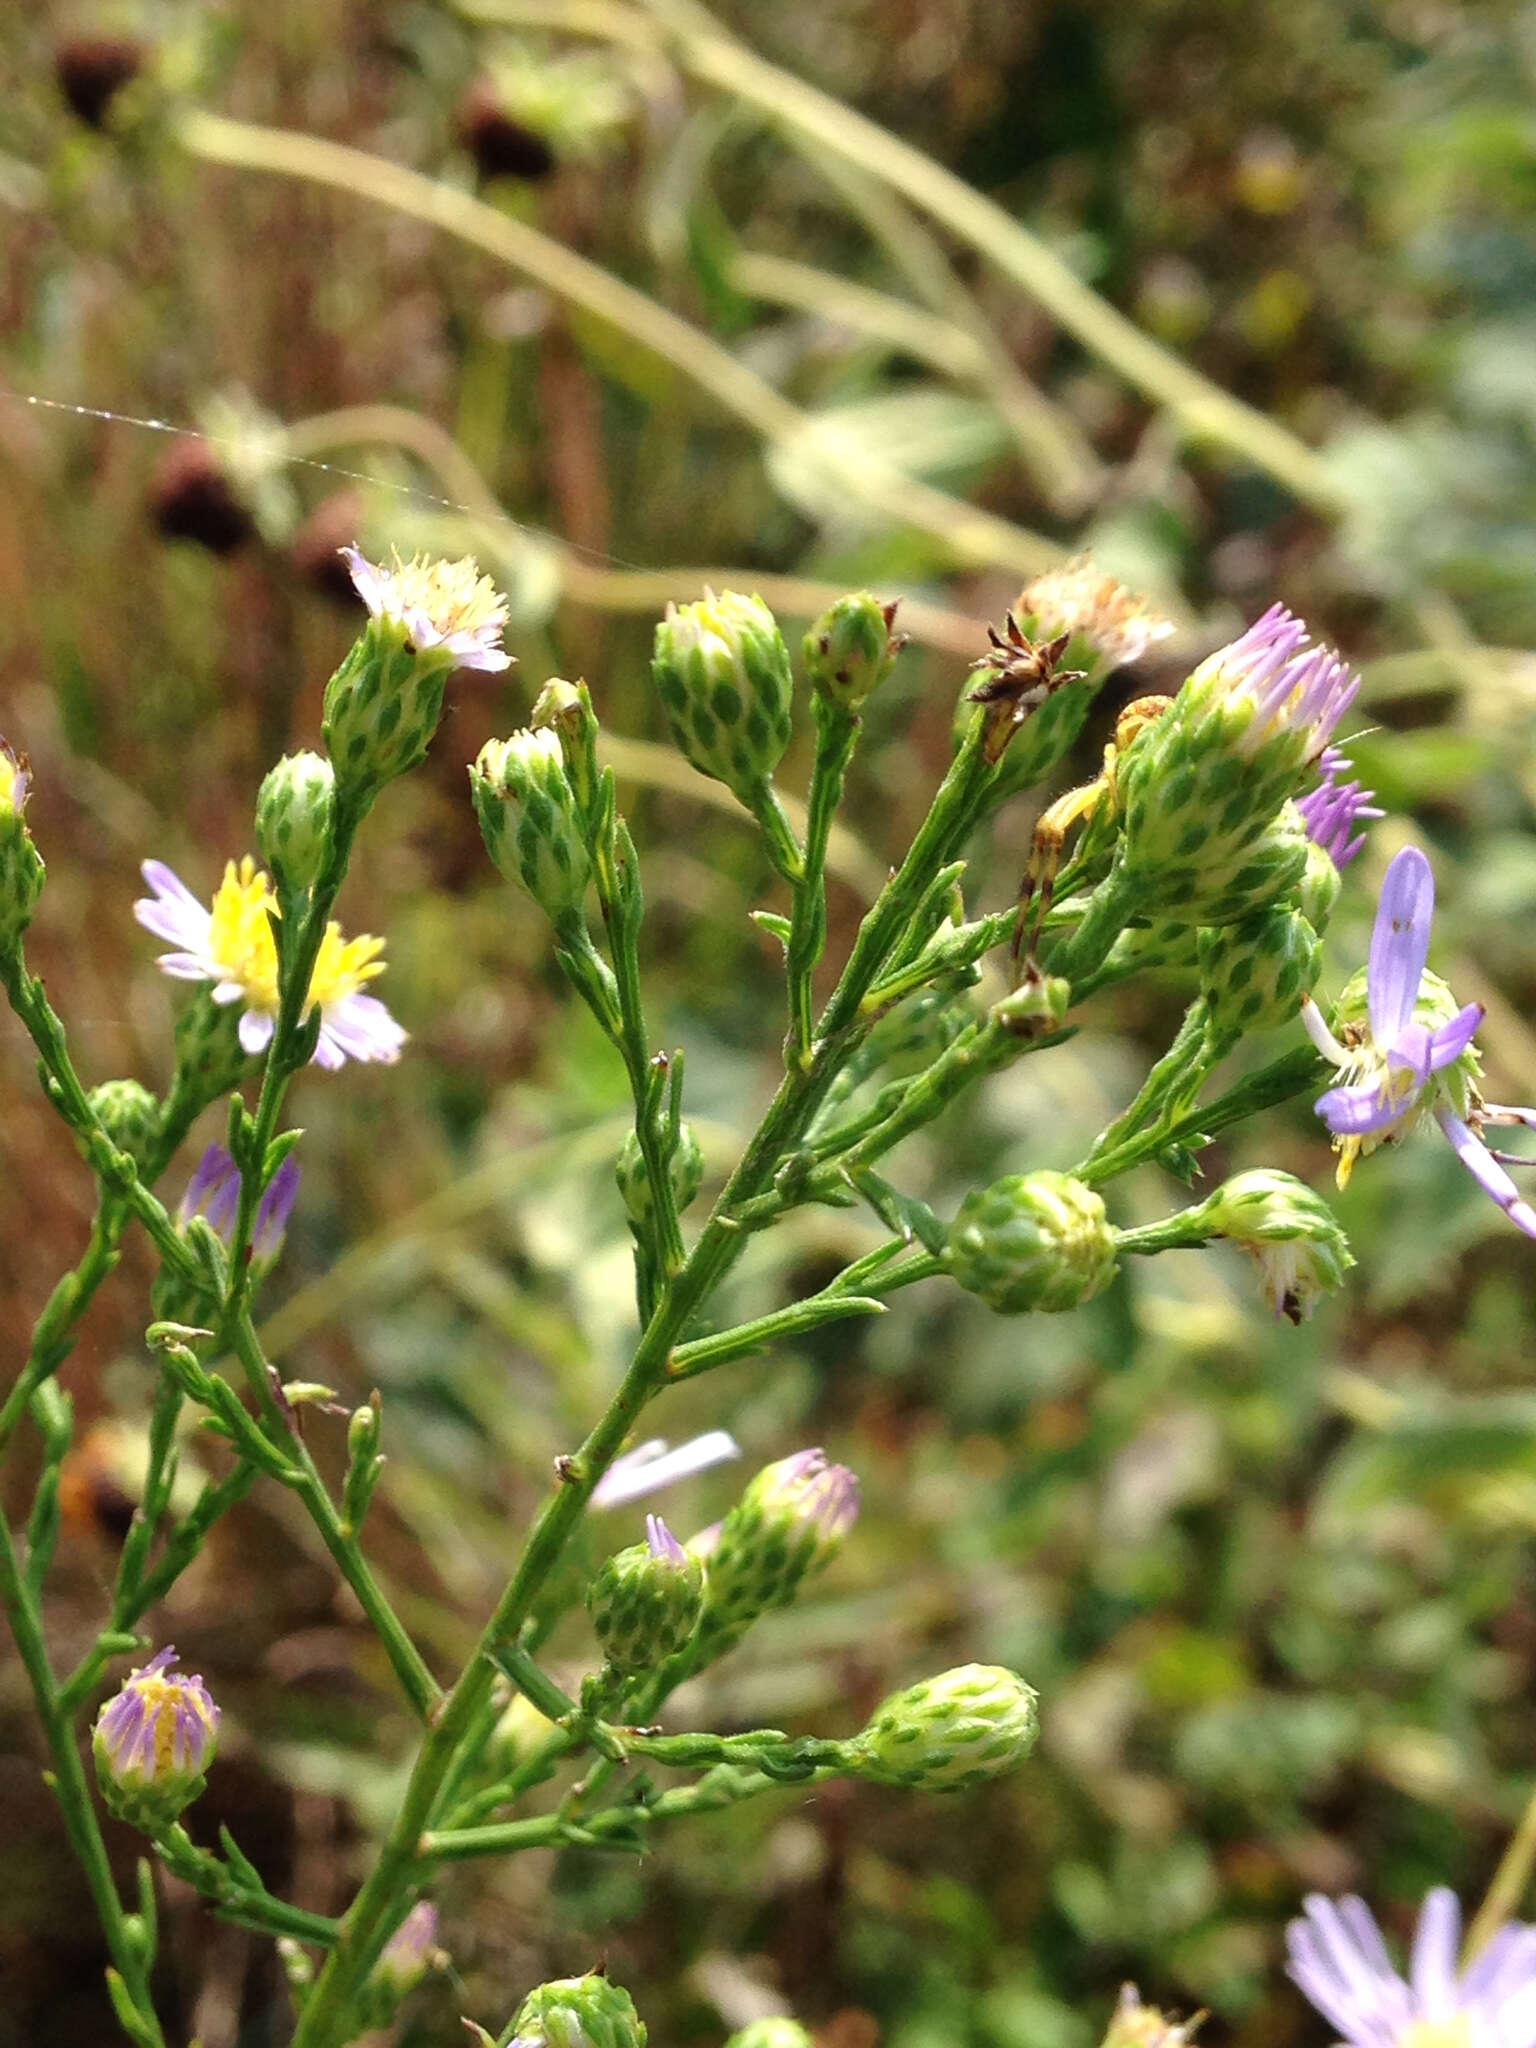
[
  {"x": 230, "y": 944},
  {"x": 1391, "y": 1060},
  {"x": 213, "y": 1193},
  {"x": 446, "y": 605},
  {"x": 1293, "y": 686},
  {"x": 1335, "y": 807},
  {"x": 1339, "y": 1960},
  {"x": 154, "y": 1741},
  {"x": 652, "y": 1465}
]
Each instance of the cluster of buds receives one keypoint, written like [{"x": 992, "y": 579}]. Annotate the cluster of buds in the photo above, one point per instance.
[
  {"x": 153, "y": 1743},
  {"x": 1032, "y": 1242},
  {"x": 976, "y": 1722},
  {"x": 791, "y": 1521},
  {"x": 645, "y": 1602}
]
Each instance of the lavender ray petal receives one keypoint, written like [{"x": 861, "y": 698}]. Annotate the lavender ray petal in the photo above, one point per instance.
[{"x": 1399, "y": 944}]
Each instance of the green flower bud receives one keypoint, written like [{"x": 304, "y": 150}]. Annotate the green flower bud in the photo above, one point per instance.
[
  {"x": 685, "y": 1170},
  {"x": 21, "y": 867},
  {"x": 1271, "y": 866},
  {"x": 129, "y": 1115},
  {"x": 791, "y": 1521},
  {"x": 975, "y": 1722},
  {"x": 722, "y": 671},
  {"x": 850, "y": 650},
  {"x": 1253, "y": 975},
  {"x": 1142, "y": 2026},
  {"x": 210, "y": 1060},
  {"x": 528, "y": 818},
  {"x": 645, "y": 1602},
  {"x": 1289, "y": 1231},
  {"x": 578, "y": 2012},
  {"x": 426, "y": 618},
  {"x": 778, "y": 2030},
  {"x": 1035, "y": 1008},
  {"x": 153, "y": 1743},
  {"x": 295, "y": 809},
  {"x": 1032, "y": 1241},
  {"x": 1204, "y": 782},
  {"x": 1318, "y": 890}
]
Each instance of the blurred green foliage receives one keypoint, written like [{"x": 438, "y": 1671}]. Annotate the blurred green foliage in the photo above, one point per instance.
[{"x": 1273, "y": 1586}]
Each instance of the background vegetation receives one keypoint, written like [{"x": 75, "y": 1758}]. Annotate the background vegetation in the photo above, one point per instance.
[{"x": 1273, "y": 1585}]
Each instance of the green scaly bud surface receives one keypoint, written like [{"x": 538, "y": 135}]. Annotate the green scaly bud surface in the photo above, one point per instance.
[
  {"x": 790, "y": 1521},
  {"x": 295, "y": 810},
  {"x": 1253, "y": 975},
  {"x": 528, "y": 817},
  {"x": 129, "y": 1115},
  {"x": 850, "y": 650},
  {"x": 579, "y": 2012},
  {"x": 1290, "y": 1232},
  {"x": 1032, "y": 1242},
  {"x": 966, "y": 1725},
  {"x": 722, "y": 671},
  {"x": 685, "y": 1170},
  {"x": 645, "y": 1603}
]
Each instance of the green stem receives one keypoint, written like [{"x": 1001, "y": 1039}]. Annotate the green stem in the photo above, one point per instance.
[
  {"x": 70, "y": 1787},
  {"x": 53, "y": 1336},
  {"x": 1107, "y": 913},
  {"x": 836, "y": 736},
  {"x": 420, "y": 1687},
  {"x": 1179, "y": 1068},
  {"x": 1502, "y": 1900},
  {"x": 688, "y": 1360},
  {"x": 1294, "y": 1073}
]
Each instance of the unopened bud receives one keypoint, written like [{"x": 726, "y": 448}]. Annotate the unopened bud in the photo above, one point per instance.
[
  {"x": 578, "y": 2012},
  {"x": 1032, "y": 1241},
  {"x": 210, "y": 1060},
  {"x": 410, "y": 1951},
  {"x": 1318, "y": 890},
  {"x": 850, "y": 650},
  {"x": 791, "y": 1521},
  {"x": 528, "y": 818},
  {"x": 1289, "y": 1231},
  {"x": 685, "y": 1170},
  {"x": 129, "y": 1115},
  {"x": 153, "y": 1743},
  {"x": 975, "y": 1722},
  {"x": 645, "y": 1602},
  {"x": 1253, "y": 975},
  {"x": 295, "y": 810},
  {"x": 722, "y": 671},
  {"x": 778, "y": 2030},
  {"x": 21, "y": 866}
]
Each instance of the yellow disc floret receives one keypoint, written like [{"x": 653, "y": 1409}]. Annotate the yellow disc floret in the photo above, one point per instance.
[
  {"x": 453, "y": 595},
  {"x": 241, "y": 944}
]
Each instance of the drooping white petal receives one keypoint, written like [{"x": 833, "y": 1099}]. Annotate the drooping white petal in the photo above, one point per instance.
[{"x": 652, "y": 1465}]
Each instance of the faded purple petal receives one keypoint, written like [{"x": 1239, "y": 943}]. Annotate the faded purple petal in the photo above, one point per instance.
[
  {"x": 1452, "y": 1039},
  {"x": 1486, "y": 1171},
  {"x": 1432, "y": 1968},
  {"x": 1354, "y": 1112},
  {"x": 273, "y": 1211},
  {"x": 650, "y": 1466},
  {"x": 1399, "y": 944}
]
